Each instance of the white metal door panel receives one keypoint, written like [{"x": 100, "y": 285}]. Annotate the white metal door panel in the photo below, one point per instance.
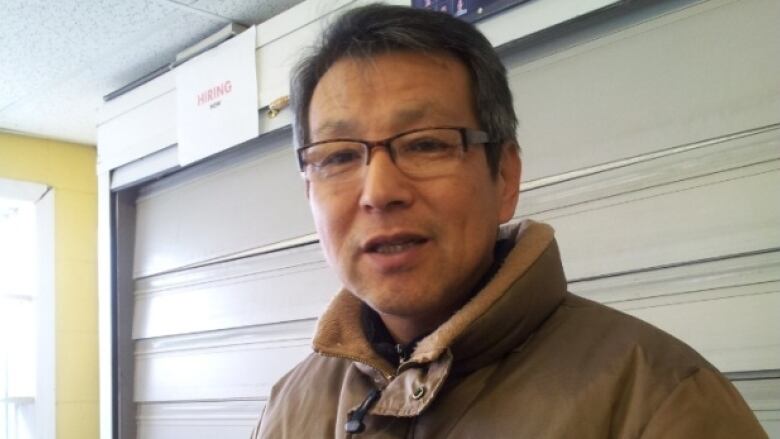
[
  {"x": 653, "y": 287},
  {"x": 282, "y": 286},
  {"x": 701, "y": 73},
  {"x": 736, "y": 333},
  {"x": 204, "y": 420},
  {"x": 691, "y": 223},
  {"x": 652, "y": 170},
  {"x": 706, "y": 202},
  {"x": 763, "y": 396},
  {"x": 219, "y": 210},
  {"x": 219, "y": 365}
]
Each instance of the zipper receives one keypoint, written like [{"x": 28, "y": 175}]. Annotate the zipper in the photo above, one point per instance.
[{"x": 404, "y": 352}]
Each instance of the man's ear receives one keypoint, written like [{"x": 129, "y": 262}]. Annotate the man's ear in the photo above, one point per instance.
[{"x": 509, "y": 171}]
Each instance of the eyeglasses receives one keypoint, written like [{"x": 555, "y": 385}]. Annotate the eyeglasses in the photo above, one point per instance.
[{"x": 420, "y": 153}]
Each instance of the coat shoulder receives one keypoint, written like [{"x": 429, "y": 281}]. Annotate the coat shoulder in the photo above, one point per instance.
[
  {"x": 615, "y": 334},
  {"x": 602, "y": 373},
  {"x": 634, "y": 371}
]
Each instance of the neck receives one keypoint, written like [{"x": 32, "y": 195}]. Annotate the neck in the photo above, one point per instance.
[{"x": 404, "y": 329}]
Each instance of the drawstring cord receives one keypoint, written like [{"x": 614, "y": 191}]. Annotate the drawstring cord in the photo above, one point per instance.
[{"x": 355, "y": 423}]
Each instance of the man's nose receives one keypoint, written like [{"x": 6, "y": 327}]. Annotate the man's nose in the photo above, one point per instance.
[{"x": 385, "y": 187}]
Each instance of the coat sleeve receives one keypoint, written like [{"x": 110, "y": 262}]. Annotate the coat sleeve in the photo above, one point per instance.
[{"x": 704, "y": 405}]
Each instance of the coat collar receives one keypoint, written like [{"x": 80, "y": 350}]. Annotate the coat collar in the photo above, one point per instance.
[{"x": 525, "y": 290}]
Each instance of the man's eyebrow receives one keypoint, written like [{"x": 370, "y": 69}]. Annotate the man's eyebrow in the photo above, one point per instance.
[
  {"x": 407, "y": 117},
  {"x": 346, "y": 128},
  {"x": 334, "y": 128}
]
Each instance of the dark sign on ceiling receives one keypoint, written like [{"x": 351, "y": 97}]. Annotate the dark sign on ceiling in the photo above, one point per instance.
[{"x": 469, "y": 10}]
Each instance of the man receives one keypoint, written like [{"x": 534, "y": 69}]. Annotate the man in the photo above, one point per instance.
[{"x": 449, "y": 326}]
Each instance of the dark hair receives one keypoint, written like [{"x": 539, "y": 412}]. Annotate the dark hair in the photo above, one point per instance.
[{"x": 376, "y": 29}]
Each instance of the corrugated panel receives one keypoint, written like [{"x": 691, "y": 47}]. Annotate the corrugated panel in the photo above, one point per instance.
[
  {"x": 700, "y": 73},
  {"x": 706, "y": 202},
  {"x": 219, "y": 365},
  {"x": 244, "y": 201},
  {"x": 282, "y": 286},
  {"x": 763, "y": 396},
  {"x": 198, "y": 420}
]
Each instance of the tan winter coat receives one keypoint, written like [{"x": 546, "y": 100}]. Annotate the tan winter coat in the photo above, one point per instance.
[{"x": 522, "y": 359}]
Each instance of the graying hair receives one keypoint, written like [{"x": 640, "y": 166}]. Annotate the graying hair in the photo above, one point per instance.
[{"x": 372, "y": 30}]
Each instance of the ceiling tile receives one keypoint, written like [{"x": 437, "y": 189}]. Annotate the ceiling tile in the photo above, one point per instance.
[
  {"x": 58, "y": 59},
  {"x": 68, "y": 110},
  {"x": 67, "y": 113},
  {"x": 32, "y": 53},
  {"x": 157, "y": 49}
]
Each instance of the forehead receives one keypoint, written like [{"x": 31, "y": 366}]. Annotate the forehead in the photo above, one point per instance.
[{"x": 384, "y": 94}]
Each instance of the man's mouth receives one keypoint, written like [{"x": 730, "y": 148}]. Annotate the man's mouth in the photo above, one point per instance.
[{"x": 388, "y": 245}]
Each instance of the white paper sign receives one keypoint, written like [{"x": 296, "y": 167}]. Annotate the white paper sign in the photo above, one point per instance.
[{"x": 216, "y": 99}]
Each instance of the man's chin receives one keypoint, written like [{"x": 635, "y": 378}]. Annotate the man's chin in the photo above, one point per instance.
[{"x": 401, "y": 304}]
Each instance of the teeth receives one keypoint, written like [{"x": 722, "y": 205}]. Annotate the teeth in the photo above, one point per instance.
[{"x": 394, "y": 248}]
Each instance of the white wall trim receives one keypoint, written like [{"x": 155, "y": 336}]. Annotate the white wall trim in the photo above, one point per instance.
[
  {"x": 21, "y": 190},
  {"x": 46, "y": 392},
  {"x": 105, "y": 315}
]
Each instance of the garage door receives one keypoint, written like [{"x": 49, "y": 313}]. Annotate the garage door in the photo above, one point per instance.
[{"x": 651, "y": 142}]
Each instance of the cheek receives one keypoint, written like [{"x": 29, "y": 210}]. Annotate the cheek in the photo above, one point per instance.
[
  {"x": 461, "y": 214},
  {"x": 478, "y": 205},
  {"x": 478, "y": 209},
  {"x": 331, "y": 219}
]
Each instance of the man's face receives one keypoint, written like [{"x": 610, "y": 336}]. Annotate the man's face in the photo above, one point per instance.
[{"x": 409, "y": 248}]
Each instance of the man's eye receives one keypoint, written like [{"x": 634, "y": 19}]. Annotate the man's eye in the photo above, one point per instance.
[
  {"x": 426, "y": 146},
  {"x": 340, "y": 158}
]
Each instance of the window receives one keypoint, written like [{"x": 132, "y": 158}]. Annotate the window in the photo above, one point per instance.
[{"x": 18, "y": 319}]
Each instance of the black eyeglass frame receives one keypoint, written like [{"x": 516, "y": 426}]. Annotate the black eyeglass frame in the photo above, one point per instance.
[{"x": 469, "y": 136}]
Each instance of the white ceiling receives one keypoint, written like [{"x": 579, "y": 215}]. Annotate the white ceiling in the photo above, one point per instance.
[{"x": 58, "y": 58}]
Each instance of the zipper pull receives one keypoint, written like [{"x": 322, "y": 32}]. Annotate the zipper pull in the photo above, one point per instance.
[
  {"x": 403, "y": 352},
  {"x": 355, "y": 423}
]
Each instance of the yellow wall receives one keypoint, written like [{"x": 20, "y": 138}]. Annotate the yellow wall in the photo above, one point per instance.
[{"x": 70, "y": 170}]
